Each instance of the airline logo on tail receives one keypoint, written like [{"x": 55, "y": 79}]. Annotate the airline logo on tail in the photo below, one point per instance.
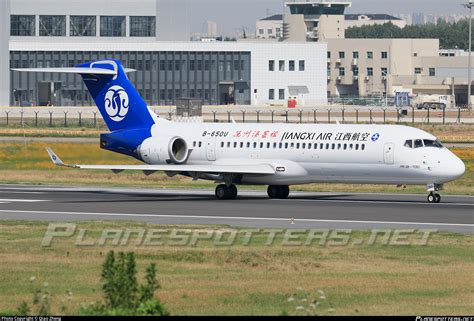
[{"x": 116, "y": 103}]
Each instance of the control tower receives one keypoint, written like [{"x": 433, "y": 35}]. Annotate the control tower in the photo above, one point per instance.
[{"x": 314, "y": 20}]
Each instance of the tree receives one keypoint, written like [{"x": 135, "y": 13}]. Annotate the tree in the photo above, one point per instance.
[{"x": 450, "y": 35}]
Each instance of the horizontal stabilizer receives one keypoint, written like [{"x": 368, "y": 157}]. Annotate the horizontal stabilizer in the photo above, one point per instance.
[{"x": 74, "y": 70}]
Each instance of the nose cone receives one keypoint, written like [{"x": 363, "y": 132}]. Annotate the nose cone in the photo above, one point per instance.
[{"x": 455, "y": 168}]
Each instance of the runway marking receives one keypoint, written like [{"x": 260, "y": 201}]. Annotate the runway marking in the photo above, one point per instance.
[
  {"x": 17, "y": 192},
  {"x": 236, "y": 218},
  {"x": 19, "y": 200},
  {"x": 374, "y": 202}
]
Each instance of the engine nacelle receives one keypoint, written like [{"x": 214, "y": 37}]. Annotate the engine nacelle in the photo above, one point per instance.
[{"x": 155, "y": 150}]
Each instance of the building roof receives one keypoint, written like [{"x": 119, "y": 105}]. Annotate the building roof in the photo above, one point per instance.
[
  {"x": 274, "y": 17},
  {"x": 376, "y": 16}
]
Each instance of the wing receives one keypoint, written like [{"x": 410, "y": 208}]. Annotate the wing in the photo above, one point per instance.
[{"x": 260, "y": 169}]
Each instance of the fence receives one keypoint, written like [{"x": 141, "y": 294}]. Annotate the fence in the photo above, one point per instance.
[{"x": 367, "y": 115}]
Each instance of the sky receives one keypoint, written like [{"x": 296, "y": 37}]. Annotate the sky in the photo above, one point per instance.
[{"x": 231, "y": 15}]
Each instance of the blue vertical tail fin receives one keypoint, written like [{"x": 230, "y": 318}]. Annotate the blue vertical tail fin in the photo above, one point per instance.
[{"x": 118, "y": 101}]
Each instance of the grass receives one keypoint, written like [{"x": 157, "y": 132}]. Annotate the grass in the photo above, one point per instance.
[
  {"x": 28, "y": 163},
  {"x": 435, "y": 279}
]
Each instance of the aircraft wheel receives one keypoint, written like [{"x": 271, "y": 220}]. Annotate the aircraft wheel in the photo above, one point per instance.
[
  {"x": 233, "y": 191},
  {"x": 431, "y": 198},
  {"x": 278, "y": 192},
  {"x": 284, "y": 192},
  {"x": 437, "y": 198},
  {"x": 222, "y": 192}
]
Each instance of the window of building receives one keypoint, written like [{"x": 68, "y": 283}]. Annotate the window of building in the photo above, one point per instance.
[
  {"x": 271, "y": 94},
  {"x": 302, "y": 65},
  {"x": 270, "y": 31},
  {"x": 52, "y": 26},
  {"x": 261, "y": 31},
  {"x": 281, "y": 65},
  {"x": 342, "y": 54},
  {"x": 22, "y": 25},
  {"x": 384, "y": 71},
  {"x": 142, "y": 26},
  {"x": 291, "y": 66},
  {"x": 83, "y": 26},
  {"x": 355, "y": 55},
  {"x": 355, "y": 71},
  {"x": 370, "y": 71},
  {"x": 281, "y": 94},
  {"x": 384, "y": 55},
  {"x": 417, "y": 71},
  {"x": 329, "y": 71},
  {"x": 432, "y": 72},
  {"x": 112, "y": 26},
  {"x": 329, "y": 55},
  {"x": 271, "y": 65},
  {"x": 342, "y": 71},
  {"x": 370, "y": 55}
]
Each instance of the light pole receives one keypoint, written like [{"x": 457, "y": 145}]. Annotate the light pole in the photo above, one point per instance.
[{"x": 469, "y": 5}]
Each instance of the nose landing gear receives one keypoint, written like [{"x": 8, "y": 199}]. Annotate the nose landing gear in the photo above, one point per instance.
[{"x": 434, "y": 197}]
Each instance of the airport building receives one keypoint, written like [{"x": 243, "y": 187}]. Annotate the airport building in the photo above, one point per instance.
[
  {"x": 48, "y": 33},
  {"x": 375, "y": 67}
]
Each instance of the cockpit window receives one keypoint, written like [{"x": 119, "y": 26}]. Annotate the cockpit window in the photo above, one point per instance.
[
  {"x": 432, "y": 143},
  {"x": 409, "y": 143},
  {"x": 418, "y": 143}
]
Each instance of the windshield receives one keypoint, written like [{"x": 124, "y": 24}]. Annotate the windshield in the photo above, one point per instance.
[{"x": 418, "y": 143}]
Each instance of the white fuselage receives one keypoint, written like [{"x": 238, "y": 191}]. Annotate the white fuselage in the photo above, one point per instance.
[{"x": 302, "y": 154}]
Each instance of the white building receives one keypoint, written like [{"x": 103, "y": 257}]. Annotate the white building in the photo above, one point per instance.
[
  {"x": 49, "y": 33},
  {"x": 270, "y": 27}
]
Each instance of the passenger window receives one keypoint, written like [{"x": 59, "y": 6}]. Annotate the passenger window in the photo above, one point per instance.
[
  {"x": 235, "y": 144},
  {"x": 409, "y": 143},
  {"x": 418, "y": 143},
  {"x": 327, "y": 146},
  {"x": 345, "y": 146},
  {"x": 351, "y": 146},
  {"x": 280, "y": 145},
  {"x": 248, "y": 144},
  {"x": 254, "y": 145},
  {"x": 286, "y": 145},
  {"x": 303, "y": 146},
  {"x": 297, "y": 145},
  {"x": 357, "y": 146},
  {"x": 200, "y": 144},
  {"x": 222, "y": 144},
  {"x": 363, "y": 147},
  {"x": 241, "y": 144},
  {"x": 321, "y": 146},
  {"x": 338, "y": 146},
  {"x": 194, "y": 144},
  {"x": 333, "y": 146},
  {"x": 268, "y": 145}
]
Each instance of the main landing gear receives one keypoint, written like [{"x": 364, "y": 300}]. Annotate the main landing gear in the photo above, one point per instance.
[
  {"x": 278, "y": 191},
  {"x": 224, "y": 192}
]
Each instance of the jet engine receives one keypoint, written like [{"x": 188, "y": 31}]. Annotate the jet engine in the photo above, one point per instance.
[{"x": 156, "y": 150}]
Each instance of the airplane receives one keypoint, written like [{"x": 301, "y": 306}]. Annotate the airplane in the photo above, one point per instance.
[{"x": 277, "y": 155}]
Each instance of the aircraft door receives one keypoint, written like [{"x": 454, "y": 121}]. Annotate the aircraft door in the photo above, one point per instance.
[
  {"x": 211, "y": 149},
  {"x": 388, "y": 153}
]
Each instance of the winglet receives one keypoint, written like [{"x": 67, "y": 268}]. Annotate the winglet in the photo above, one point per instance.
[{"x": 56, "y": 160}]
